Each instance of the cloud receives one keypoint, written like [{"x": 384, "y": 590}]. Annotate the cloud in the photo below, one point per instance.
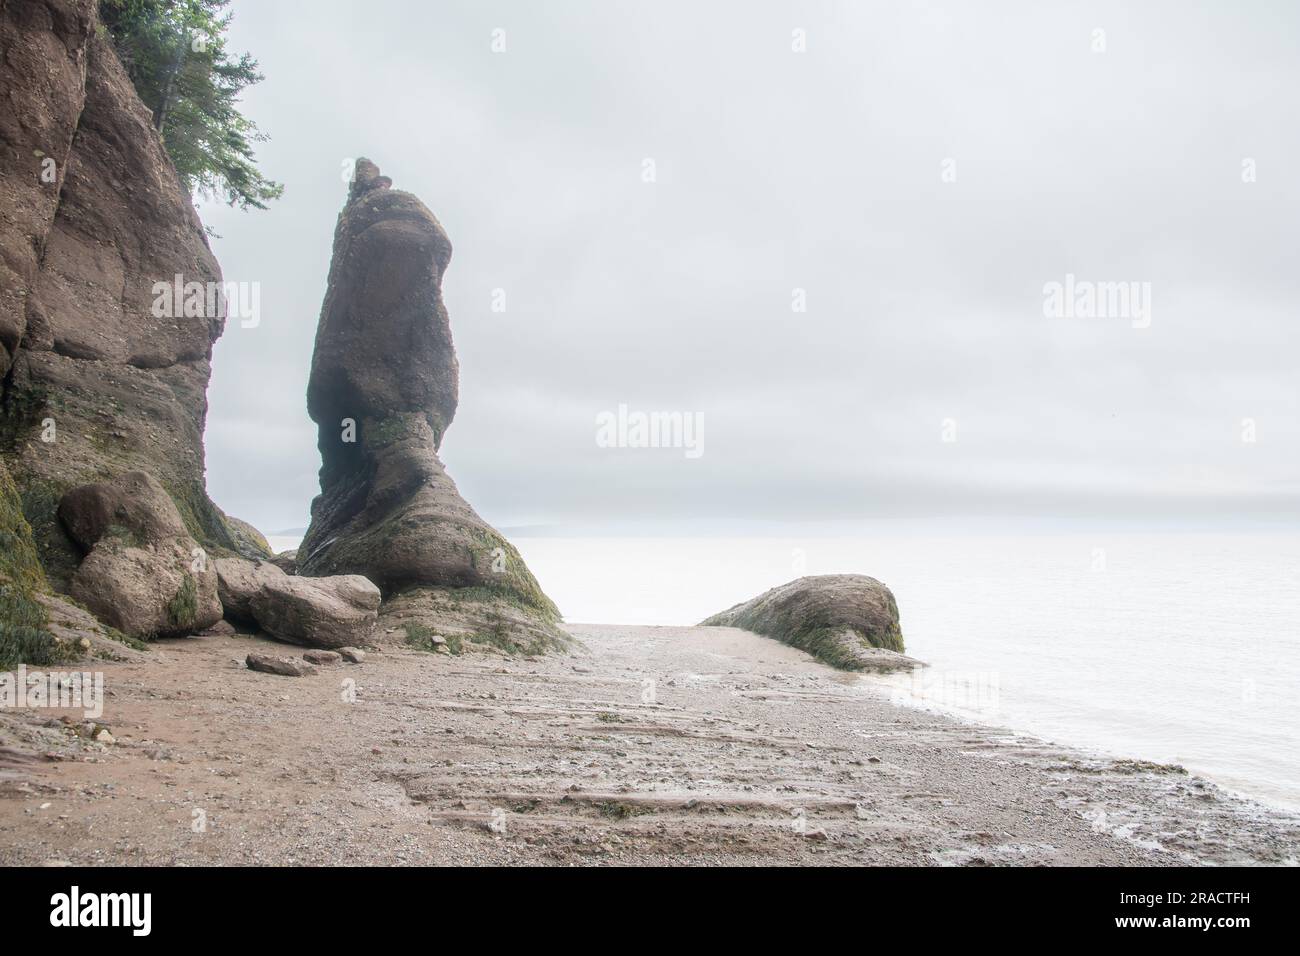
[{"x": 775, "y": 172}]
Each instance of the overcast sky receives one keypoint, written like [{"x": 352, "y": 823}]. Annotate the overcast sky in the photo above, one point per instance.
[{"x": 921, "y": 170}]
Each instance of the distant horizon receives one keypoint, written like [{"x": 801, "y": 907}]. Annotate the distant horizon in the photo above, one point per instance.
[{"x": 935, "y": 525}]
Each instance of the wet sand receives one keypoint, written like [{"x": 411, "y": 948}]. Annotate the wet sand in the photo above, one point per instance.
[{"x": 649, "y": 745}]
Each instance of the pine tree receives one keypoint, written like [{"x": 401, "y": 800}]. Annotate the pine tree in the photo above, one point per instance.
[{"x": 175, "y": 53}]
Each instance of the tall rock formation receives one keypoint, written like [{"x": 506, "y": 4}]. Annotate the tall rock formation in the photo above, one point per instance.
[
  {"x": 100, "y": 375},
  {"x": 382, "y": 392}
]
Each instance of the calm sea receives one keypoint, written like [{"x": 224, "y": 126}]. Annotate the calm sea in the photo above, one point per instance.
[{"x": 1178, "y": 647}]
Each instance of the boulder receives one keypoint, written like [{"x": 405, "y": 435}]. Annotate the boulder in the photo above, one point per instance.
[
  {"x": 133, "y": 506},
  {"x": 849, "y": 621},
  {"x": 284, "y": 666},
  {"x": 239, "y": 581},
  {"x": 383, "y": 391},
  {"x": 147, "y": 592},
  {"x": 331, "y": 612},
  {"x": 144, "y": 574},
  {"x": 322, "y": 657},
  {"x": 328, "y": 612}
]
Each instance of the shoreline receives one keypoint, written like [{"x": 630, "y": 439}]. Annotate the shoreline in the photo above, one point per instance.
[
  {"x": 879, "y": 683},
  {"x": 649, "y": 745}
]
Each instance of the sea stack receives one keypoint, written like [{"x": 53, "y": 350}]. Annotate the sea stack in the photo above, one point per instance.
[{"x": 382, "y": 392}]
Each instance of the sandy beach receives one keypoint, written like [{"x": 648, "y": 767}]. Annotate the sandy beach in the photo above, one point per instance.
[{"x": 648, "y": 745}]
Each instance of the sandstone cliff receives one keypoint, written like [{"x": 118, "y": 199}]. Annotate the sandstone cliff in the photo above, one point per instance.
[
  {"x": 98, "y": 380},
  {"x": 382, "y": 392}
]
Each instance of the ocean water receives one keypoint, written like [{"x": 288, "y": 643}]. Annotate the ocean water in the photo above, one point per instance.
[{"x": 1176, "y": 647}]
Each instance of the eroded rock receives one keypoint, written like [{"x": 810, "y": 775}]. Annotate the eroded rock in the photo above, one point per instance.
[
  {"x": 336, "y": 611},
  {"x": 284, "y": 666},
  {"x": 849, "y": 621},
  {"x": 143, "y": 575},
  {"x": 382, "y": 391},
  {"x": 322, "y": 657},
  {"x": 93, "y": 220},
  {"x": 239, "y": 581},
  {"x": 329, "y": 611}
]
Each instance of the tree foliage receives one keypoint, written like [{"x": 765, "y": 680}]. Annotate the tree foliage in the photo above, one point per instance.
[{"x": 175, "y": 53}]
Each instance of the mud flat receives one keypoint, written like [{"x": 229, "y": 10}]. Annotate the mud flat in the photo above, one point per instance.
[{"x": 654, "y": 745}]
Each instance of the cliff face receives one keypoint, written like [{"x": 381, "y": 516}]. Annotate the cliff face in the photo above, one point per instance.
[
  {"x": 102, "y": 375},
  {"x": 382, "y": 392},
  {"x": 43, "y": 57}
]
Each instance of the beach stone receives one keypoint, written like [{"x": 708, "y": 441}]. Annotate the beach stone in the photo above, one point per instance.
[
  {"x": 284, "y": 666},
  {"x": 322, "y": 657}
]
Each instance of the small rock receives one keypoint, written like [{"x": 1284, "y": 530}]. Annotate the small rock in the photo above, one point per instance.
[
  {"x": 222, "y": 628},
  {"x": 353, "y": 655},
  {"x": 321, "y": 657},
  {"x": 104, "y": 737},
  {"x": 817, "y": 835},
  {"x": 285, "y": 666}
]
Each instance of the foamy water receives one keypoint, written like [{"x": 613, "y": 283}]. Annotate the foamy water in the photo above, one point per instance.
[{"x": 1177, "y": 648}]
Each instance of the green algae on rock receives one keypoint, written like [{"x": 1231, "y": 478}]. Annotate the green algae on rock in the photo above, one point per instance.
[
  {"x": 24, "y": 634},
  {"x": 849, "y": 621}
]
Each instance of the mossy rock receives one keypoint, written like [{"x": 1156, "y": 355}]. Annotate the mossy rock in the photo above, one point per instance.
[
  {"x": 24, "y": 635},
  {"x": 849, "y": 621},
  {"x": 183, "y": 608},
  {"x": 472, "y": 619}
]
